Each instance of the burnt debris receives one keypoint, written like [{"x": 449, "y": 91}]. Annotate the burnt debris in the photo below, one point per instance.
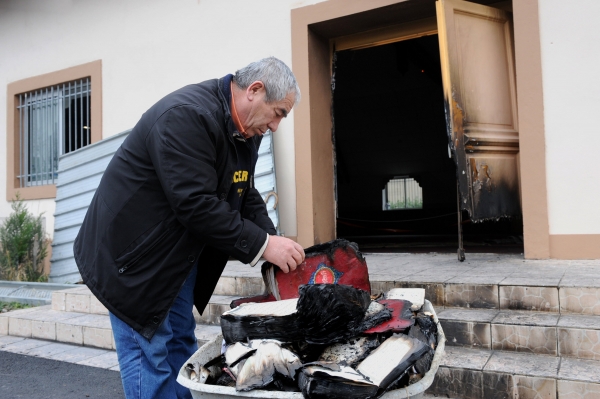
[
  {"x": 330, "y": 340},
  {"x": 334, "y": 341},
  {"x": 324, "y": 314}
]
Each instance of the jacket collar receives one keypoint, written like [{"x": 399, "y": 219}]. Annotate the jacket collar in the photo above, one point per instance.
[{"x": 224, "y": 90}]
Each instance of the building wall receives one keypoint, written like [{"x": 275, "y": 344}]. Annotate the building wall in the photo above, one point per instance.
[
  {"x": 151, "y": 47},
  {"x": 148, "y": 48},
  {"x": 570, "y": 46}
]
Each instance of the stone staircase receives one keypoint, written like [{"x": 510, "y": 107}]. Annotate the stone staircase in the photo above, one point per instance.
[{"x": 515, "y": 328}]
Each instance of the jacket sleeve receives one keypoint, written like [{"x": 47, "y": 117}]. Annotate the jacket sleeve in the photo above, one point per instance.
[
  {"x": 255, "y": 210},
  {"x": 184, "y": 154}
]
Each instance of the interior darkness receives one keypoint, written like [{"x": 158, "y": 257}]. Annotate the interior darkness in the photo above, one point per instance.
[
  {"x": 77, "y": 115},
  {"x": 389, "y": 121}
]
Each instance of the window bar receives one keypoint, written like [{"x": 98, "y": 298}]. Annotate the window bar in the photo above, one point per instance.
[
  {"x": 30, "y": 137},
  {"x": 404, "y": 181},
  {"x": 87, "y": 112},
  {"x": 40, "y": 139},
  {"x": 68, "y": 143},
  {"x": 42, "y": 130},
  {"x": 45, "y": 139},
  {"x": 49, "y": 172},
  {"x": 29, "y": 142},
  {"x": 74, "y": 111},
  {"x": 35, "y": 145},
  {"x": 52, "y": 135},
  {"x": 62, "y": 142},
  {"x": 31, "y": 130},
  {"x": 80, "y": 113},
  {"x": 20, "y": 140}
]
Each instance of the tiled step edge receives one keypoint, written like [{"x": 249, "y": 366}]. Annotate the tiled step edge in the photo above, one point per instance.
[
  {"x": 508, "y": 293},
  {"x": 90, "y": 330},
  {"x": 551, "y": 299},
  {"x": 476, "y": 374},
  {"x": 553, "y": 334},
  {"x": 217, "y": 305},
  {"x": 229, "y": 285},
  {"x": 81, "y": 300}
]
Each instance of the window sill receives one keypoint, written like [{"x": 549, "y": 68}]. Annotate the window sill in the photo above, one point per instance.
[{"x": 32, "y": 193}]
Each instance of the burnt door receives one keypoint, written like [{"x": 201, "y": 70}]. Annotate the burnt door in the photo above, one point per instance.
[{"x": 481, "y": 109}]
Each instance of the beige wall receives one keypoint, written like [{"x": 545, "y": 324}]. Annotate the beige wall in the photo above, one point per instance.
[
  {"x": 570, "y": 54},
  {"x": 148, "y": 48},
  {"x": 314, "y": 25},
  {"x": 151, "y": 47}
]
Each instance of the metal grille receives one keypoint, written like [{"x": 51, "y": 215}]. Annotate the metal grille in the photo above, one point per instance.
[
  {"x": 52, "y": 122},
  {"x": 402, "y": 193}
]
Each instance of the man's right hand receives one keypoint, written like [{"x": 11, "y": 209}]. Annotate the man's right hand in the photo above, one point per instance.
[{"x": 283, "y": 252}]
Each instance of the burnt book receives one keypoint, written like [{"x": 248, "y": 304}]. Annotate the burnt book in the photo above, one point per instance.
[
  {"x": 401, "y": 318},
  {"x": 266, "y": 320},
  {"x": 259, "y": 363},
  {"x": 323, "y": 314},
  {"x": 334, "y": 262},
  {"x": 416, "y": 296},
  {"x": 425, "y": 330},
  {"x": 370, "y": 379}
]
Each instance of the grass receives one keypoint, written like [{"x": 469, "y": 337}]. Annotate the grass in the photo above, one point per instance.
[{"x": 8, "y": 306}]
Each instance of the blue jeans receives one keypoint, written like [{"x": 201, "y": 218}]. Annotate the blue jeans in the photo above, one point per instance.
[{"x": 149, "y": 369}]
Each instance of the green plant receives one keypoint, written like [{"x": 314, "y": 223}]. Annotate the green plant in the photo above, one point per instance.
[
  {"x": 23, "y": 245},
  {"x": 8, "y": 306},
  {"x": 410, "y": 204}
]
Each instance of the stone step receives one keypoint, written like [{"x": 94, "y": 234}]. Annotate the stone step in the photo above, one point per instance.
[
  {"x": 232, "y": 285},
  {"x": 217, "y": 305},
  {"x": 486, "y": 374},
  {"x": 90, "y": 330},
  {"x": 512, "y": 293},
  {"x": 558, "y": 299},
  {"x": 484, "y": 281},
  {"x": 552, "y": 334},
  {"x": 81, "y": 300}
]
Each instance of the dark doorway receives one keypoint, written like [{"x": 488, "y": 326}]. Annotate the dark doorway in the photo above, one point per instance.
[{"x": 395, "y": 181}]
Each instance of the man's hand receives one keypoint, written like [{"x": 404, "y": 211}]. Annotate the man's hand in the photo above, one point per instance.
[{"x": 283, "y": 252}]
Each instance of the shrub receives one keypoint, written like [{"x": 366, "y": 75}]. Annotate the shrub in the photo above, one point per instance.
[{"x": 23, "y": 245}]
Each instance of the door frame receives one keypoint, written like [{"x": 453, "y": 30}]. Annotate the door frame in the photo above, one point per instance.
[{"x": 314, "y": 26}]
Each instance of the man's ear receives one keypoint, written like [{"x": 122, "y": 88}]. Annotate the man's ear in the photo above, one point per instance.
[{"x": 255, "y": 88}]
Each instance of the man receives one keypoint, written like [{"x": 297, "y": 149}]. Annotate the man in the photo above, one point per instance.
[{"x": 175, "y": 202}]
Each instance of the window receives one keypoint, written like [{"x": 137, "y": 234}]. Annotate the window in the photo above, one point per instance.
[
  {"x": 402, "y": 193},
  {"x": 52, "y": 121},
  {"x": 54, "y": 114}
]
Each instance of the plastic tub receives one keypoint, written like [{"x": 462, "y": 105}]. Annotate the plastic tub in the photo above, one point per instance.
[{"x": 212, "y": 349}]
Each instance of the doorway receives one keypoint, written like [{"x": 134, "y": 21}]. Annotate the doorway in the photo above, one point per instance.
[{"x": 395, "y": 181}]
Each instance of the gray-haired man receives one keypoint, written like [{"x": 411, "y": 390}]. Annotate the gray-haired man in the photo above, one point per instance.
[{"x": 175, "y": 202}]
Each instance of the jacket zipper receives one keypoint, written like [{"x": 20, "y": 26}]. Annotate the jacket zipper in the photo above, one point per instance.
[{"x": 134, "y": 260}]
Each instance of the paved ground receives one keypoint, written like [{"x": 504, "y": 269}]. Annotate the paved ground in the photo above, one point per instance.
[
  {"x": 32, "y": 377},
  {"x": 56, "y": 370},
  {"x": 505, "y": 269},
  {"x": 51, "y": 350}
]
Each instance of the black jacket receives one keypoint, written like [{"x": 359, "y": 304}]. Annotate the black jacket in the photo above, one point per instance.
[{"x": 161, "y": 207}]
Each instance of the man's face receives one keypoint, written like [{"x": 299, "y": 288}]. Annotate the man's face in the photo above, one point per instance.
[{"x": 262, "y": 115}]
